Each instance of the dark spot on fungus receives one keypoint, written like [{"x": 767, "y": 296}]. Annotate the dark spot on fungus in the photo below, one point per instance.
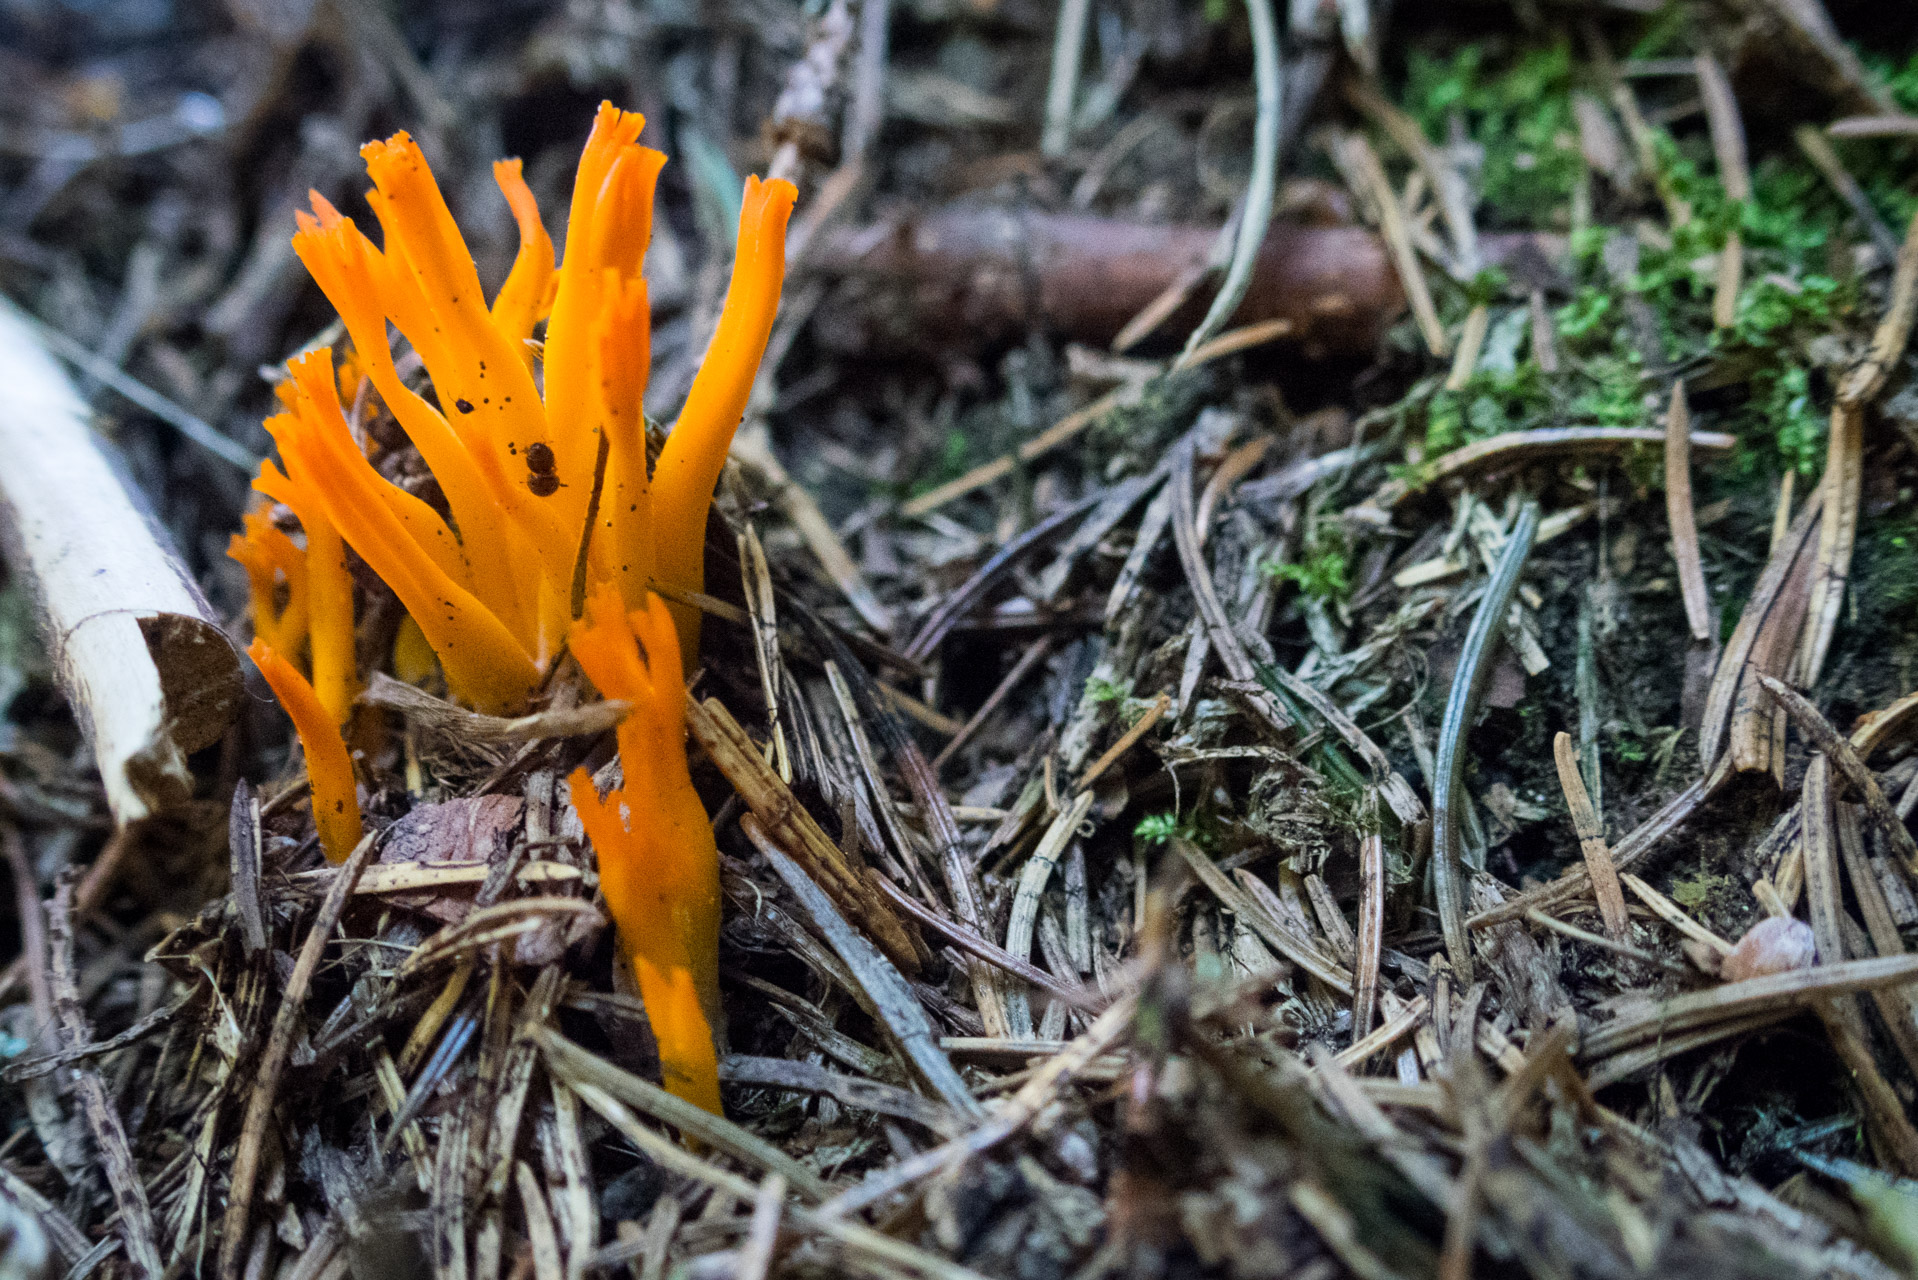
[
  {"x": 543, "y": 486},
  {"x": 464, "y": 406}
]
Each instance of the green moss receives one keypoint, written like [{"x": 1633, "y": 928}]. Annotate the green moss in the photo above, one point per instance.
[
  {"x": 1325, "y": 571},
  {"x": 1693, "y": 893},
  {"x": 1156, "y": 828},
  {"x": 1518, "y": 109}
]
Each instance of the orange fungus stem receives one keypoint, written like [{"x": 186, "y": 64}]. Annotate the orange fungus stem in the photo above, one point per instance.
[{"x": 336, "y": 803}]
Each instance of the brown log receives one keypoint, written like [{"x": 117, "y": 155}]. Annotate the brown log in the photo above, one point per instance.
[{"x": 972, "y": 277}]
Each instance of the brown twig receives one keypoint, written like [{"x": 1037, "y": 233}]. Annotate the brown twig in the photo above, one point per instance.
[
  {"x": 1833, "y": 744},
  {"x": 96, "y": 1104},
  {"x": 788, "y": 823},
  {"x": 1591, "y": 841}
]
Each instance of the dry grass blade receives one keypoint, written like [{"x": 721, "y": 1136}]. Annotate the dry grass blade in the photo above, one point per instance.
[
  {"x": 1591, "y": 841},
  {"x": 1769, "y": 597},
  {"x": 1728, "y": 148},
  {"x": 1888, "y": 340},
  {"x": 787, "y": 824},
  {"x": 1838, "y": 494},
  {"x": 1336, "y": 1227},
  {"x": 1024, "y": 914},
  {"x": 1520, "y": 448},
  {"x": 489, "y": 925},
  {"x": 1895, "y": 1007},
  {"x": 885, "y": 995},
  {"x": 33, "y": 1068},
  {"x": 752, "y": 449},
  {"x": 449, "y": 720},
  {"x": 872, "y": 1248},
  {"x": 1448, "y": 184},
  {"x": 1668, "y": 911},
  {"x": 279, "y": 1045},
  {"x": 1362, "y": 163},
  {"x": 1038, "y": 1091},
  {"x": 1772, "y": 993},
  {"x": 1243, "y": 338},
  {"x": 757, "y": 585},
  {"x": 1198, "y": 575},
  {"x": 1641, "y": 841},
  {"x": 1383, "y": 1035},
  {"x": 968, "y": 941},
  {"x": 1126, "y": 741},
  {"x": 1884, "y": 725},
  {"x": 853, "y": 1091},
  {"x": 1046, "y": 441},
  {"x": 1604, "y": 943},
  {"x": 1845, "y": 461},
  {"x": 1829, "y": 741},
  {"x": 1679, "y": 513},
  {"x": 1824, "y": 895},
  {"x": 1471, "y": 341},
  {"x": 960, "y": 602},
  {"x": 756, "y": 1255},
  {"x": 243, "y": 856},
  {"x": 1235, "y": 467},
  {"x": 1392, "y": 786},
  {"x": 412, "y": 877},
  {"x": 1033, "y": 655},
  {"x": 1255, "y": 218},
  {"x": 1631, "y": 1062},
  {"x": 1818, "y": 149},
  {"x": 1298, "y": 950},
  {"x": 586, "y": 1072}
]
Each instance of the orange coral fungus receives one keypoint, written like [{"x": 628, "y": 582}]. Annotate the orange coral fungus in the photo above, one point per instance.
[
  {"x": 336, "y": 803},
  {"x": 658, "y": 866},
  {"x": 489, "y": 578},
  {"x": 516, "y": 456},
  {"x": 276, "y": 576}
]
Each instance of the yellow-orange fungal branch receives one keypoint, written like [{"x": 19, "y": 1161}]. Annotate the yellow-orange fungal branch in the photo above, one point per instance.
[
  {"x": 273, "y": 565},
  {"x": 526, "y": 296},
  {"x": 658, "y": 865},
  {"x": 326, "y": 598},
  {"x": 336, "y": 802},
  {"x": 330, "y": 624},
  {"x": 484, "y": 662},
  {"x": 694, "y": 453}
]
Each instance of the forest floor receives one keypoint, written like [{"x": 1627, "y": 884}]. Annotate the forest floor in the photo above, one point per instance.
[{"x": 1131, "y": 645}]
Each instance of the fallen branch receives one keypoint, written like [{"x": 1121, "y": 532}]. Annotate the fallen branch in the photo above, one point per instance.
[
  {"x": 980, "y": 276},
  {"x": 149, "y": 674}
]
